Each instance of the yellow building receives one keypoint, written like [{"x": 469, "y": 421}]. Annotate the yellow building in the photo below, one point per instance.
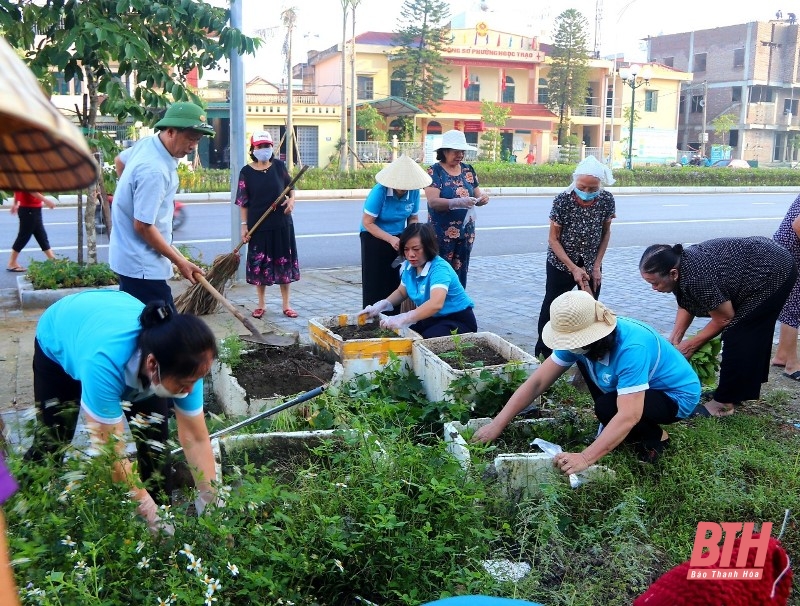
[{"x": 483, "y": 64}]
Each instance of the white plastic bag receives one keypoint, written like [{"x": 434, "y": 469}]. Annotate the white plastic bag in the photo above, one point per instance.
[{"x": 554, "y": 449}]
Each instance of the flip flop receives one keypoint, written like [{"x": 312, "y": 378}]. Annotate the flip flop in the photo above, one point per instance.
[
  {"x": 289, "y": 313},
  {"x": 258, "y": 313},
  {"x": 794, "y": 376},
  {"x": 17, "y": 270}
]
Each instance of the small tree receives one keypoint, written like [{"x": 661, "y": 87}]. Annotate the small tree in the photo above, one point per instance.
[
  {"x": 626, "y": 120},
  {"x": 495, "y": 116},
  {"x": 371, "y": 121},
  {"x": 568, "y": 78},
  {"x": 723, "y": 125}
]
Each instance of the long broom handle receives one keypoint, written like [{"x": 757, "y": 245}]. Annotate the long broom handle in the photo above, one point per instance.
[
  {"x": 273, "y": 206},
  {"x": 263, "y": 415}
]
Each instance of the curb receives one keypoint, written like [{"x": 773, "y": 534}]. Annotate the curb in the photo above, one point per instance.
[{"x": 41, "y": 299}]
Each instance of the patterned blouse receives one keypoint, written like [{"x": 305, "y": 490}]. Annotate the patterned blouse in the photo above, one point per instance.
[
  {"x": 449, "y": 187},
  {"x": 744, "y": 271},
  {"x": 785, "y": 234},
  {"x": 581, "y": 227}
]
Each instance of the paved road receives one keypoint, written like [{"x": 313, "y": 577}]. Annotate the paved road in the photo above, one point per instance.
[{"x": 327, "y": 229}]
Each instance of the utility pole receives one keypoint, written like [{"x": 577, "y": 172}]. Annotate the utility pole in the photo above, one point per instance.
[
  {"x": 704, "y": 135},
  {"x": 237, "y": 126},
  {"x": 353, "y": 89},
  {"x": 343, "y": 159},
  {"x": 289, "y": 17}
]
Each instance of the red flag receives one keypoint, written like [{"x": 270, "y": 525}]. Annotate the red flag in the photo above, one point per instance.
[
  {"x": 466, "y": 77},
  {"x": 503, "y": 79}
]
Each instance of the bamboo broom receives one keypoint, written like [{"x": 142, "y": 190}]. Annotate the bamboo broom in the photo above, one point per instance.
[{"x": 196, "y": 299}]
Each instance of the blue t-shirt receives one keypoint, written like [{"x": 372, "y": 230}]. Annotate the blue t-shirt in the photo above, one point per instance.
[
  {"x": 641, "y": 359},
  {"x": 437, "y": 273},
  {"x": 93, "y": 335},
  {"x": 391, "y": 213},
  {"x": 146, "y": 191}
]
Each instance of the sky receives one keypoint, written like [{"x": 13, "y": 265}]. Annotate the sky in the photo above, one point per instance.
[{"x": 622, "y": 24}]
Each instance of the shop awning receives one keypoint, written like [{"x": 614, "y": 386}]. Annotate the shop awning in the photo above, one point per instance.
[{"x": 393, "y": 106}]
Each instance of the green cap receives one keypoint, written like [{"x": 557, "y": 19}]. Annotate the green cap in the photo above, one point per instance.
[{"x": 185, "y": 115}]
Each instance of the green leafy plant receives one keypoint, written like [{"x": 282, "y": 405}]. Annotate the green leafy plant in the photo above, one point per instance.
[
  {"x": 230, "y": 351},
  {"x": 705, "y": 361},
  {"x": 457, "y": 353},
  {"x": 65, "y": 273}
]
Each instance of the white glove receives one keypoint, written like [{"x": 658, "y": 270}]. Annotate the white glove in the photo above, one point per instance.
[
  {"x": 377, "y": 308},
  {"x": 204, "y": 499},
  {"x": 397, "y": 322},
  {"x": 461, "y": 203},
  {"x": 148, "y": 509}
]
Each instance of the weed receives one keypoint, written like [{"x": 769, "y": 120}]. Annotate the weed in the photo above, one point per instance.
[
  {"x": 65, "y": 273},
  {"x": 778, "y": 397},
  {"x": 230, "y": 351}
]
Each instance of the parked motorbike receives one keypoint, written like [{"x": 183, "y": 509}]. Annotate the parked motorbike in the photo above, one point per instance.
[{"x": 178, "y": 216}]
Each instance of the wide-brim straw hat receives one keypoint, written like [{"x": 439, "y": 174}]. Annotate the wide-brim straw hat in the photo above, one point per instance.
[
  {"x": 40, "y": 150},
  {"x": 404, "y": 174},
  {"x": 577, "y": 320},
  {"x": 455, "y": 139}
]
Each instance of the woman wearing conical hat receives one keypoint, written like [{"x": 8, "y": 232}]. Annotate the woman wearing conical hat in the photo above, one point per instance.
[{"x": 390, "y": 207}]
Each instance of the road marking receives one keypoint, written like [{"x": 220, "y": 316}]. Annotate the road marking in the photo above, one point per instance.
[
  {"x": 673, "y": 205},
  {"x": 763, "y": 203}
]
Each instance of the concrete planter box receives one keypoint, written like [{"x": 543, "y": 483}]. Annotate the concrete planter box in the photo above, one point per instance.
[
  {"x": 436, "y": 374},
  {"x": 358, "y": 356},
  {"x": 40, "y": 299},
  {"x": 236, "y": 403}
]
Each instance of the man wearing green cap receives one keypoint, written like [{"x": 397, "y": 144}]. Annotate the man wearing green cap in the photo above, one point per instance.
[{"x": 141, "y": 251}]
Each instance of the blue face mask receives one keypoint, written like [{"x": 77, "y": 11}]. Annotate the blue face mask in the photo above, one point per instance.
[{"x": 587, "y": 196}]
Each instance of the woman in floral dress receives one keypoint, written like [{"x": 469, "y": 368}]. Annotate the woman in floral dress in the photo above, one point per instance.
[
  {"x": 452, "y": 197},
  {"x": 271, "y": 250}
]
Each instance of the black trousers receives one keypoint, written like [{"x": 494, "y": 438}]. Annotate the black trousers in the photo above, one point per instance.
[
  {"x": 378, "y": 278},
  {"x": 30, "y": 224},
  {"x": 147, "y": 290},
  {"x": 747, "y": 349},
  {"x": 659, "y": 409},
  {"x": 58, "y": 398},
  {"x": 441, "y": 326},
  {"x": 557, "y": 283}
]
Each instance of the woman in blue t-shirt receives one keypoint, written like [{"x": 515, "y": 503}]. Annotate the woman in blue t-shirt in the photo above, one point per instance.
[
  {"x": 390, "y": 206},
  {"x": 637, "y": 379},
  {"x": 108, "y": 354},
  {"x": 431, "y": 284}
]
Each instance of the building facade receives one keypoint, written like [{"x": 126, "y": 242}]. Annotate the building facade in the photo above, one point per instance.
[{"x": 749, "y": 71}]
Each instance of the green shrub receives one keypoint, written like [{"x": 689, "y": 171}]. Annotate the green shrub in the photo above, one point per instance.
[{"x": 65, "y": 273}]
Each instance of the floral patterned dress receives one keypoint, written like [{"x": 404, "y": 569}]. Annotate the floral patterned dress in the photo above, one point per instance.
[
  {"x": 455, "y": 229},
  {"x": 272, "y": 249}
]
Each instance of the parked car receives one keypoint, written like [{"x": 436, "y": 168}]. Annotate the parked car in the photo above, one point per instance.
[{"x": 730, "y": 164}]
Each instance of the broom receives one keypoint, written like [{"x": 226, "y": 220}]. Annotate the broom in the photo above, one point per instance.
[{"x": 196, "y": 300}]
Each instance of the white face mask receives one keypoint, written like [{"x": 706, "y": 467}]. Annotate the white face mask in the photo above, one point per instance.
[
  {"x": 263, "y": 154},
  {"x": 161, "y": 391},
  {"x": 579, "y": 351}
]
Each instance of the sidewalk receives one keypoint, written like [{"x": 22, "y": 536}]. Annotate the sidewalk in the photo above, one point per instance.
[{"x": 507, "y": 291}]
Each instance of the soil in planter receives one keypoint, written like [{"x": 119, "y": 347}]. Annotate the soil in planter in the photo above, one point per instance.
[
  {"x": 265, "y": 371},
  {"x": 470, "y": 355},
  {"x": 370, "y": 330}
]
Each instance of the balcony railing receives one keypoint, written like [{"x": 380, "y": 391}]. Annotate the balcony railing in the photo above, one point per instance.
[{"x": 587, "y": 111}]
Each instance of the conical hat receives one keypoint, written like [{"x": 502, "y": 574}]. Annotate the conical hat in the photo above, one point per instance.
[
  {"x": 403, "y": 174},
  {"x": 40, "y": 150}
]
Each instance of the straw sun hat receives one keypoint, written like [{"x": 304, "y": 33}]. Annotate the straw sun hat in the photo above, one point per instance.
[
  {"x": 577, "y": 320},
  {"x": 40, "y": 150},
  {"x": 404, "y": 174}
]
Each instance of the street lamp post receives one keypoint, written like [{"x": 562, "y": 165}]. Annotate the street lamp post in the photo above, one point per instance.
[{"x": 633, "y": 78}]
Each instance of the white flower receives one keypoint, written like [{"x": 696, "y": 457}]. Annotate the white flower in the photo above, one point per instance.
[
  {"x": 339, "y": 565},
  {"x": 80, "y": 565},
  {"x": 187, "y": 551},
  {"x": 209, "y": 600},
  {"x": 340, "y": 485},
  {"x": 139, "y": 421},
  {"x": 213, "y": 586},
  {"x": 143, "y": 563},
  {"x": 155, "y": 418},
  {"x": 139, "y": 546},
  {"x": 224, "y": 493},
  {"x": 195, "y": 566},
  {"x": 166, "y": 512},
  {"x": 126, "y": 406},
  {"x": 233, "y": 568},
  {"x": 68, "y": 541}
]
